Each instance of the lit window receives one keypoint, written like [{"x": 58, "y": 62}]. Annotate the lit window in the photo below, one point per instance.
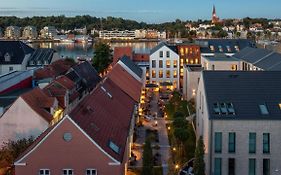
[
  {"x": 186, "y": 61},
  {"x": 168, "y": 74},
  {"x": 161, "y": 74},
  {"x": 220, "y": 49},
  {"x": 234, "y": 67},
  {"x": 175, "y": 74},
  {"x": 182, "y": 51},
  {"x": 44, "y": 172},
  {"x": 175, "y": 63},
  {"x": 181, "y": 70},
  {"x": 212, "y": 48},
  {"x": 196, "y": 61},
  {"x": 280, "y": 106},
  {"x": 237, "y": 48},
  {"x": 186, "y": 50},
  {"x": 91, "y": 172},
  {"x": 191, "y": 61},
  {"x": 67, "y": 171},
  {"x": 153, "y": 74},
  {"x": 263, "y": 109},
  {"x": 168, "y": 63}
]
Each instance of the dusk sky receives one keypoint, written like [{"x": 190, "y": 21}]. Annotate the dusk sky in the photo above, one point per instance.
[{"x": 152, "y": 11}]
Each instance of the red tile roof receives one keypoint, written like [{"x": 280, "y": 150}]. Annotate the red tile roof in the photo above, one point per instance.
[
  {"x": 105, "y": 115},
  {"x": 141, "y": 57},
  {"x": 56, "y": 90},
  {"x": 126, "y": 82},
  {"x": 120, "y": 52},
  {"x": 53, "y": 70},
  {"x": 65, "y": 82},
  {"x": 38, "y": 101}
]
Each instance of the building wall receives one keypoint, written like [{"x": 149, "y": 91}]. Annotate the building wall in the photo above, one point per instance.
[
  {"x": 78, "y": 154},
  {"x": 190, "y": 83},
  {"x": 242, "y": 155},
  {"x": 173, "y": 57},
  {"x": 242, "y": 128},
  {"x": 220, "y": 65},
  {"x": 20, "y": 121},
  {"x": 5, "y": 68}
]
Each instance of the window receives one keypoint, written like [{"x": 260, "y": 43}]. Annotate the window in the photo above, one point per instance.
[
  {"x": 213, "y": 67},
  {"x": 231, "y": 166},
  {"x": 168, "y": 63},
  {"x": 196, "y": 61},
  {"x": 153, "y": 63},
  {"x": 231, "y": 142},
  {"x": 153, "y": 74},
  {"x": 234, "y": 67},
  {"x": 279, "y": 106},
  {"x": 212, "y": 48},
  {"x": 220, "y": 49},
  {"x": 161, "y": 74},
  {"x": 168, "y": 54},
  {"x": 175, "y": 63},
  {"x": 252, "y": 143},
  {"x": 91, "y": 172},
  {"x": 161, "y": 54},
  {"x": 218, "y": 142},
  {"x": 252, "y": 166},
  {"x": 175, "y": 74},
  {"x": 160, "y": 63},
  {"x": 186, "y": 60},
  {"x": 67, "y": 171},
  {"x": 266, "y": 167},
  {"x": 217, "y": 166},
  {"x": 266, "y": 143},
  {"x": 182, "y": 51},
  {"x": 44, "y": 172},
  {"x": 263, "y": 109},
  {"x": 11, "y": 68},
  {"x": 168, "y": 74}
]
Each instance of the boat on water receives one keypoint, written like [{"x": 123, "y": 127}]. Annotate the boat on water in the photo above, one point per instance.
[{"x": 67, "y": 41}]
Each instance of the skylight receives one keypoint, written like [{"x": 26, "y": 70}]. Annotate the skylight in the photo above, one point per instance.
[
  {"x": 216, "y": 108},
  {"x": 263, "y": 109},
  {"x": 223, "y": 108},
  {"x": 114, "y": 147}
]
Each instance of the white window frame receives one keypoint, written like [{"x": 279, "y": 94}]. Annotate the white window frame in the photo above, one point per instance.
[
  {"x": 91, "y": 169},
  {"x": 67, "y": 169},
  {"x": 44, "y": 173}
]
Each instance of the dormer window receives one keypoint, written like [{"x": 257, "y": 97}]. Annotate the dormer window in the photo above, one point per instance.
[
  {"x": 212, "y": 48},
  {"x": 263, "y": 109},
  {"x": 228, "y": 48},
  {"x": 7, "y": 57},
  {"x": 220, "y": 49},
  {"x": 236, "y": 48}
]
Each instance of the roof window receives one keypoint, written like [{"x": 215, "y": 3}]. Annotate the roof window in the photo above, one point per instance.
[
  {"x": 263, "y": 109},
  {"x": 114, "y": 147}
]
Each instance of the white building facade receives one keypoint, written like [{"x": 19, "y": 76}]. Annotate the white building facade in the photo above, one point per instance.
[{"x": 164, "y": 65}]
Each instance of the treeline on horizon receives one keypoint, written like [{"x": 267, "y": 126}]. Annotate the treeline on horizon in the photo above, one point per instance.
[{"x": 109, "y": 23}]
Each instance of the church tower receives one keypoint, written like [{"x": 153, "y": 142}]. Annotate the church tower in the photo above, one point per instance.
[{"x": 215, "y": 19}]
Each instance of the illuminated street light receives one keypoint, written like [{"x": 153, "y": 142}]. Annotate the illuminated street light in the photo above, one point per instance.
[
  {"x": 174, "y": 149},
  {"x": 177, "y": 166}
]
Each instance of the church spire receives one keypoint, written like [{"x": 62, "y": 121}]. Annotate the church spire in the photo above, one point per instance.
[{"x": 214, "y": 10}]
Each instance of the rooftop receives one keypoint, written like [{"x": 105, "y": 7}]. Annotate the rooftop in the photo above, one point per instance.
[
  {"x": 194, "y": 67},
  {"x": 41, "y": 57},
  {"x": 243, "y": 92},
  {"x": 221, "y": 58},
  {"x": 105, "y": 116},
  {"x": 132, "y": 66},
  {"x": 262, "y": 58}
]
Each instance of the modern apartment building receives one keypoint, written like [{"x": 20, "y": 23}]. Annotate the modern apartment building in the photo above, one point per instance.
[
  {"x": 13, "y": 32},
  {"x": 48, "y": 32},
  {"x": 29, "y": 32},
  {"x": 239, "y": 117},
  {"x": 116, "y": 34},
  {"x": 164, "y": 65}
]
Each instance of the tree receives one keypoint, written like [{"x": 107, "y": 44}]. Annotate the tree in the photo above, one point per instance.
[
  {"x": 102, "y": 57},
  {"x": 10, "y": 151},
  {"x": 147, "y": 168},
  {"x": 199, "y": 164}
]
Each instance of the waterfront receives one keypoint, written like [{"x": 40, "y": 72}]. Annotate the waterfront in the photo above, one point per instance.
[{"x": 75, "y": 50}]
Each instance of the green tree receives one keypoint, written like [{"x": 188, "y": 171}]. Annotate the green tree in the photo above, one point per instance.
[
  {"x": 102, "y": 57},
  {"x": 147, "y": 168},
  {"x": 199, "y": 164}
]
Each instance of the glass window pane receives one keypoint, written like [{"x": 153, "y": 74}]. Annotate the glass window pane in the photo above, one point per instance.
[
  {"x": 252, "y": 143},
  {"x": 217, "y": 166},
  {"x": 231, "y": 166},
  {"x": 266, "y": 167},
  {"x": 231, "y": 142},
  {"x": 218, "y": 142},
  {"x": 266, "y": 143},
  {"x": 252, "y": 166}
]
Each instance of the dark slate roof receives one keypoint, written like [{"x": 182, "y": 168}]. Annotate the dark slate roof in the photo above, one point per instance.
[
  {"x": 8, "y": 98},
  {"x": 262, "y": 58},
  {"x": 131, "y": 65},
  {"x": 41, "y": 57},
  {"x": 87, "y": 73},
  {"x": 221, "y": 58},
  {"x": 227, "y": 45},
  {"x": 246, "y": 90},
  {"x": 172, "y": 47},
  {"x": 16, "y": 50}
]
